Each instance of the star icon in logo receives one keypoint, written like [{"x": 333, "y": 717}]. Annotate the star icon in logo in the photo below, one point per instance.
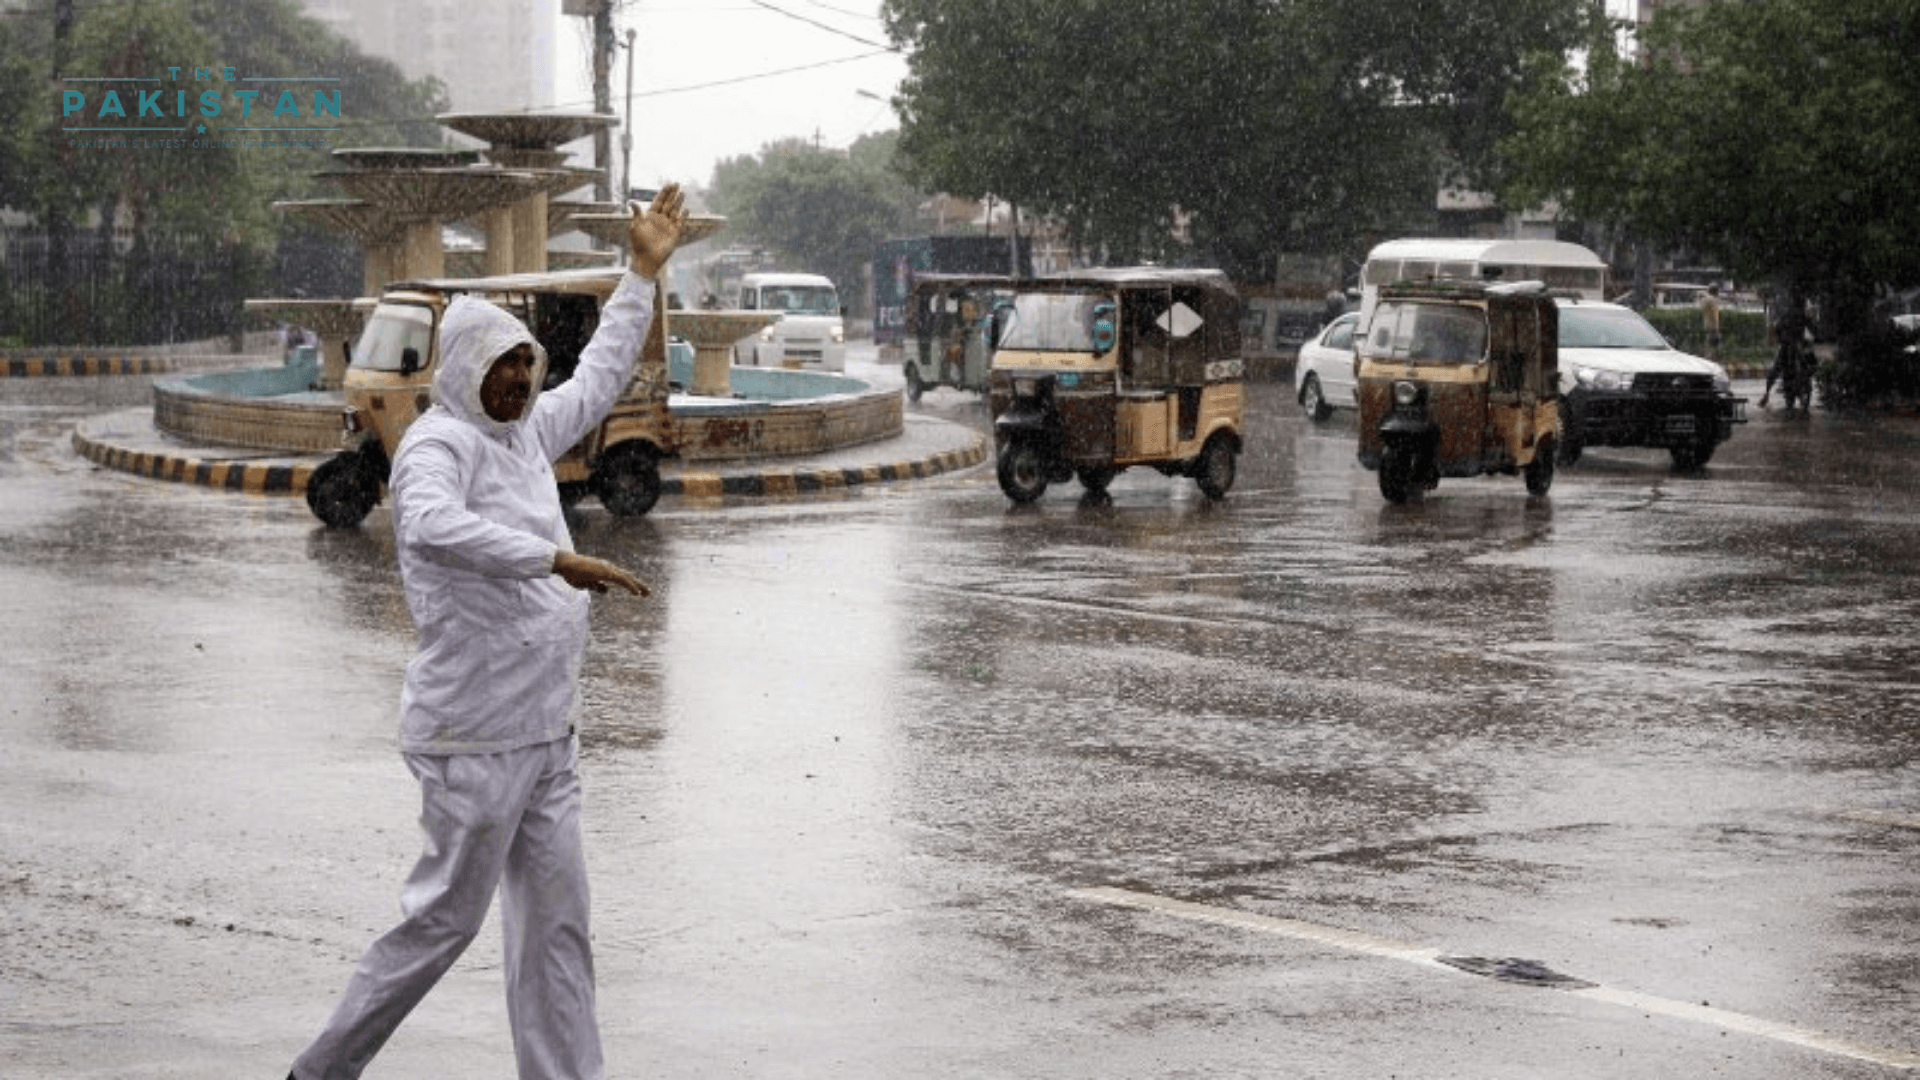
[{"x": 201, "y": 130}]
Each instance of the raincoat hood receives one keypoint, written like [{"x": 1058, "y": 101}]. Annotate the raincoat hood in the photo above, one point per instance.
[{"x": 473, "y": 334}]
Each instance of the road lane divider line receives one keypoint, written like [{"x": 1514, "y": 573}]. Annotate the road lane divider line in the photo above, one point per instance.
[{"x": 1370, "y": 945}]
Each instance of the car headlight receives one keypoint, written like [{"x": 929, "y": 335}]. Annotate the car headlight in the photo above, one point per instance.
[
  {"x": 1024, "y": 387},
  {"x": 1405, "y": 393},
  {"x": 839, "y": 335},
  {"x": 766, "y": 333},
  {"x": 1602, "y": 379},
  {"x": 1721, "y": 384}
]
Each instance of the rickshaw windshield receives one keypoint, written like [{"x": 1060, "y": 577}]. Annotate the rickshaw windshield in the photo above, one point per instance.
[
  {"x": 390, "y": 332},
  {"x": 1055, "y": 322},
  {"x": 1424, "y": 333}
]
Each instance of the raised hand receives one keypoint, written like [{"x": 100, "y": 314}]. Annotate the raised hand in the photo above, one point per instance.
[{"x": 653, "y": 233}]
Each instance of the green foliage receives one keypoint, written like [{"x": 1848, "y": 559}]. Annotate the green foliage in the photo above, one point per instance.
[
  {"x": 1774, "y": 138},
  {"x": 197, "y": 212},
  {"x": 819, "y": 211},
  {"x": 1261, "y": 126},
  {"x": 1743, "y": 334},
  {"x": 221, "y": 192}
]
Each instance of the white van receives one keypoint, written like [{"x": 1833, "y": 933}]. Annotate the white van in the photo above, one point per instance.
[
  {"x": 1563, "y": 267},
  {"x": 811, "y": 332}
]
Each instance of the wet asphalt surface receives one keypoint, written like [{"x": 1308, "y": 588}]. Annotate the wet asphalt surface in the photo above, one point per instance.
[{"x": 853, "y": 771}]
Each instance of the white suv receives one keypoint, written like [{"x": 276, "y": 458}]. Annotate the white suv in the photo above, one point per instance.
[{"x": 1623, "y": 384}]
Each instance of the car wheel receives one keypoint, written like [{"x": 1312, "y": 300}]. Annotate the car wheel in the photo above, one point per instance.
[
  {"x": 1397, "y": 469},
  {"x": 1215, "y": 470},
  {"x": 1022, "y": 474},
  {"x": 1096, "y": 479},
  {"x": 1691, "y": 456},
  {"x": 1540, "y": 470},
  {"x": 342, "y": 491},
  {"x": 628, "y": 479},
  {"x": 914, "y": 386},
  {"x": 1312, "y": 401}
]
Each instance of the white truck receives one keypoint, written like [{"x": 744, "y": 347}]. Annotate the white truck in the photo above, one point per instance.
[{"x": 811, "y": 333}]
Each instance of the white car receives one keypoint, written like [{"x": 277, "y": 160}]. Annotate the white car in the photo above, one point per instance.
[
  {"x": 1623, "y": 384},
  {"x": 1323, "y": 372}
]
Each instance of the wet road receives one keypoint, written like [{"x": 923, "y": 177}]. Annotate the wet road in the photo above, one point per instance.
[{"x": 910, "y": 783}]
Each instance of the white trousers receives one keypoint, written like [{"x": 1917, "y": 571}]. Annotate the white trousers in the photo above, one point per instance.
[{"x": 508, "y": 820}]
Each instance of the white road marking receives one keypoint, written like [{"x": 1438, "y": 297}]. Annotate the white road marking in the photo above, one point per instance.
[
  {"x": 1883, "y": 817},
  {"x": 1370, "y": 945}
]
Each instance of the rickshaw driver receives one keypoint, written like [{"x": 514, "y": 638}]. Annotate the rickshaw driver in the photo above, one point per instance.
[{"x": 489, "y": 700}]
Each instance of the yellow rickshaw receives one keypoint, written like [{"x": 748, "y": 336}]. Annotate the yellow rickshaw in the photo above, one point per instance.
[
  {"x": 391, "y": 370},
  {"x": 1459, "y": 378},
  {"x": 1095, "y": 371}
]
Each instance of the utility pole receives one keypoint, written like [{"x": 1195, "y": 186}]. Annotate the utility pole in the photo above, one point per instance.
[
  {"x": 602, "y": 97},
  {"x": 626, "y": 131}
]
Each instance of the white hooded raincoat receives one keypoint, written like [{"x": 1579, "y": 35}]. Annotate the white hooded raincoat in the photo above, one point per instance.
[{"x": 477, "y": 521}]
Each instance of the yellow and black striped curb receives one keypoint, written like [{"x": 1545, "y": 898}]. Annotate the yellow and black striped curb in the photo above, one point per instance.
[
  {"x": 284, "y": 477},
  {"x": 18, "y": 366},
  {"x": 251, "y": 477},
  {"x": 817, "y": 481}
]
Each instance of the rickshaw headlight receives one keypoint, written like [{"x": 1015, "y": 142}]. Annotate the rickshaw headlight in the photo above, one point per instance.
[{"x": 1405, "y": 394}]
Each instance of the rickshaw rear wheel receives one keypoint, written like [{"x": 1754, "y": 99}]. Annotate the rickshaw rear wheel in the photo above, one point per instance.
[
  {"x": 1397, "y": 468},
  {"x": 1312, "y": 401},
  {"x": 1095, "y": 479},
  {"x": 1539, "y": 472},
  {"x": 342, "y": 491},
  {"x": 915, "y": 387},
  {"x": 1023, "y": 475},
  {"x": 628, "y": 479},
  {"x": 1214, "y": 471}
]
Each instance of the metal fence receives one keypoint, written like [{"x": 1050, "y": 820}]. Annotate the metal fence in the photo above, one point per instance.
[{"x": 161, "y": 291}]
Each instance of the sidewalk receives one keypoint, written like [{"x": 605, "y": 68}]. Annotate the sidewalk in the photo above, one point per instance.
[{"x": 128, "y": 441}]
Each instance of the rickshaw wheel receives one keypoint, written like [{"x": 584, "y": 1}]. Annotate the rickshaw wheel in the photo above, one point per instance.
[
  {"x": 1539, "y": 472},
  {"x": 915, "y": 387},
  {"x": 341, "y": 492},
  {"x": 1023, "y": 476},
  {"x": 1095, "y": 479},
  {"x": 1216, "y": 468},
  {"x": 1396, "y": 475},
  {"x": 627, "y": 480}
]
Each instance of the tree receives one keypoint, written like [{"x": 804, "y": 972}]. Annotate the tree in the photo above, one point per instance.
[
  {"x": 818, "y": 210},
  {"x": 1774, "y": 137},
  {"x": 202, "y": 211},
  {"x": 1260, "y": 125}
]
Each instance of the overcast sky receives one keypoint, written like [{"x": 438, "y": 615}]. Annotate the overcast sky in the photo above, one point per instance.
[{"x": 714, "y": 79}]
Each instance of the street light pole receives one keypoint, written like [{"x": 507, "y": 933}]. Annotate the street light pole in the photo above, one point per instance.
[{"x": 626, "y": 132}]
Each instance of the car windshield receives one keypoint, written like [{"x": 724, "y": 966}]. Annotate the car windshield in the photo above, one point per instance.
[
  {"x": 800, "y": 299},
  {"x": 390, "y": 332},
  {"x": 1606, "y": 328},
  {"x": 1053, "y": 322},
  {"x": 1428, "y": 333}
]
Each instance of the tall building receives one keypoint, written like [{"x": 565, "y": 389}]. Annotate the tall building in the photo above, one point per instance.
[{"x": 493, "y": 55}]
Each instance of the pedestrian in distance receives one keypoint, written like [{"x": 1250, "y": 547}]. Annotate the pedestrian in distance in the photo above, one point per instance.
[
  {"x": 487, "y": 712},
  {"x": 1710, "y": 320},
  {"x": 1793, "y": 353}
]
